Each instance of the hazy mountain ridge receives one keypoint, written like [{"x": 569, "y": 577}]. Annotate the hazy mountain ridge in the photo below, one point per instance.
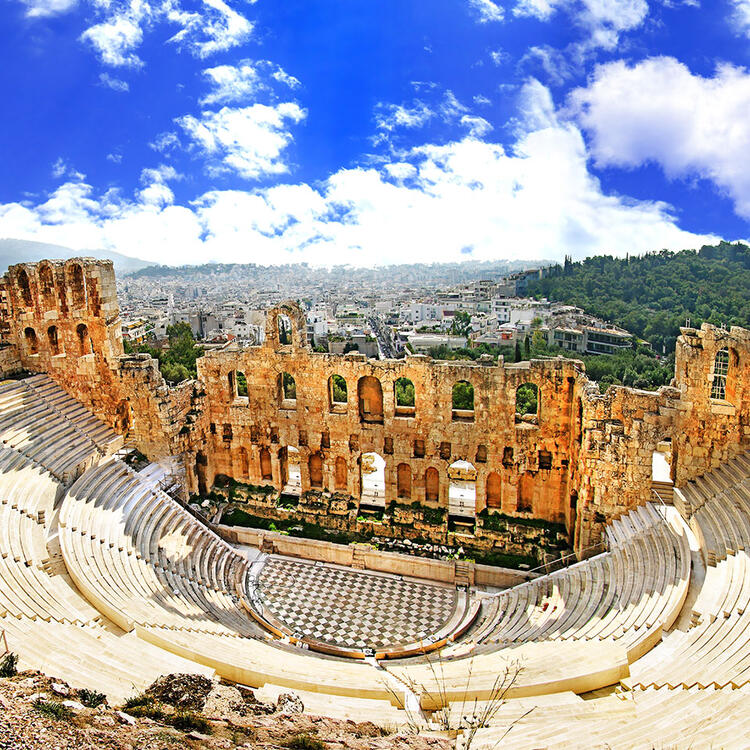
[{"x": 27, "y": 251}]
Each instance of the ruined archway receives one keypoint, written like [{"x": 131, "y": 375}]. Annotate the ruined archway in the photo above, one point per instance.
[
  {"x": 370, "y": 396},
  {"x": 462, "y": 490},
  {"x": 266, "y": 470},
  {"x": 32, "y": 343},
  {"x": 403, "y": 481},
  {"x": 372, "y": 469},
  {"x": 432, "y": 485},
  {"x": 494, "y": 490},
  {"x": 315, "y": 467},
  {"x": 341, "y": 475}
]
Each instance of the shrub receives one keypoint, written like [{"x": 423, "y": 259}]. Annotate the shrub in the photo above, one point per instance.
[
  {"x": 305, "y": 742},
  {"x": 138, "y": 700},
  {"x": 151, "y": 710},
  {"x": 91, "y": 698},
  {"x": 53, "y": 709},
  {"x": 8, "y": 665},
  {"x": 188, "y": 721}
]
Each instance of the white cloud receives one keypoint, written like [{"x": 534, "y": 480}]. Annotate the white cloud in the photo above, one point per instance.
[
  {"x": 740, "y": 18},
  {"x": 247, "y": 140},
  {"x": 603, "y": 20},
  {"x": 115, "y": 39},
  {"x": 43, "y": 8},
  {"x": 165, "y": 142},
  {"x": 477, "y": 126},
  {"x": 216, "y": 29},
  {"x": 487, "y": 10},
  {"x": 535, "y": 200},
  {"x": 113, "y": 83},
  {"x": 658, "y": 111},
  {"x": 390, "y": 117},
  {"x": 244, "y": 81}
]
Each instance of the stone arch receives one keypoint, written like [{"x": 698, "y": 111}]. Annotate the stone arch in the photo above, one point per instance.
[
  {"x": 237, "y": 384},
  {"x": 201, "y": 467},
  {"x": 77, "y": 285},
  {"x": 315, "y": 466},
  {"x": 494, "y": 490},
  {"x": 720, "y": 374},
  {"x": 24, "y": 287},
  {"x": 372, "y": 479},
  {"x": 266, "y": 471},
  {"x": 291, "y": 474},
  {"x": 463, "y": 401},
  {"x": 47, "y": 281},
  {"x": 244, "y": 464},
  {"x": 338, "y": 393},
  {"x": 370, "y": 397},
  {"x": 284, "y": 329},
  {"x": 462, "y": 489},
  {"x": 54, "y": 340},
  {"x": 525, "y": 500},
  {"x": 84, "y": 340},
  {"x": 403, "y": 397},
  {"x": 432, "y": 485},
  {"x": 287, "y": 387},
  {"x": 528, "y": 402},
  {"x": 403, "y": 481},
  {"x": 32, "y": 343},
  {"x": 341, "y": 474}
]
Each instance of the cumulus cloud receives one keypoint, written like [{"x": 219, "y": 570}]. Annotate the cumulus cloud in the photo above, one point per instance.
[
  {"x": 216, "y": 28},
  {"x": 116, "y": 39},
  {"x": 390, "y": 117},
  {"x": 244, "y": 81},
  {"x": 740, "y": 18},
  {"x": 487, "y": 10},
  {"x": 602, "y": 20},
  {"x": 534, "y": 200},
  {"x": 43, "y": 8},
  {"x": 658, "y": 111},
  {"x": 247, "y": 140},
  {"x": 113, "y": 83}
]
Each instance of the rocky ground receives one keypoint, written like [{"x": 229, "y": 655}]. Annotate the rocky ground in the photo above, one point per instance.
[{"x": 178, "y": 711}]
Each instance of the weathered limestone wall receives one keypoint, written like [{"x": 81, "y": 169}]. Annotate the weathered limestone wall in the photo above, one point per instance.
[
  {"x": 710, "y": 430},
  {"x": 583, "y": 459},
  {"x": 247, "y": 435}
]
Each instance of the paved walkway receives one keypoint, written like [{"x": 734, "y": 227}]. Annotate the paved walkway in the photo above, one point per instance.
[{"x": 352, "y": 608}]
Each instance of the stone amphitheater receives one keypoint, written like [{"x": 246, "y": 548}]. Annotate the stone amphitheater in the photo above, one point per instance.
[{"x": 108, "y": 581}]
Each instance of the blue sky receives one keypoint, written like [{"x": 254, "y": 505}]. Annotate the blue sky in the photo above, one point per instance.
[{"x": 345, "y": 131}]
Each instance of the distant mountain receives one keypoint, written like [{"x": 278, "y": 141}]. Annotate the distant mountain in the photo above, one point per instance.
[{"x": 26, "y": 251}]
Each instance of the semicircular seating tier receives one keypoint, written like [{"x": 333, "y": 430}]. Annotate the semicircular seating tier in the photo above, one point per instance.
[
  {"x": 713, "y": 649},
  {"x": 41, "y": 421},
  {"x": 606, "y": 611}
]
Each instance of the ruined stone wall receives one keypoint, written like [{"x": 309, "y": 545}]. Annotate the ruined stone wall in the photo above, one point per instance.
[
  {"x": 530, "y": 458},
  {"x": 63, "y": 318},
  {"x": 710, "y": 430}
]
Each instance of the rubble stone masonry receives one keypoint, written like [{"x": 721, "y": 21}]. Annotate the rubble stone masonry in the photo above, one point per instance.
[{"x": 581, "y": 460}]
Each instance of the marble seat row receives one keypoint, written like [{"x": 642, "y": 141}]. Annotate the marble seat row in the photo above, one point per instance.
[
  {"x": 626, "y": 595},
  {"x": 141, "y": 558},
  {"x": 43, "y": 435},
  {"x": 72, "y": 410},
  {"x": 641, "y": 720}
]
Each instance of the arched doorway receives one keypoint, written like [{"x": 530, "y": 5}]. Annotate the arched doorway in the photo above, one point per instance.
[
  {"x": 372, "y": 468},
  {"x": 462, "y": 490}
]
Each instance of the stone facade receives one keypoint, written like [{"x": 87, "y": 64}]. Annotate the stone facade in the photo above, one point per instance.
[{"x": 582, "y": 459}]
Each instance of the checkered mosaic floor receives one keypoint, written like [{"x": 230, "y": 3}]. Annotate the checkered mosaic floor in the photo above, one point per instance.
[{"x": 350, "y": 608}]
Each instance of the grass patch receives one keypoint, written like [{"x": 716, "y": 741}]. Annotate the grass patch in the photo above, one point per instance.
[
  {"x": 91, "y": 698},
  {"x": 9, "y": 665},
  {"x": 52, "y": 709},
  {"x": 305, "y": 742},
  {"x": 504, "y": 559},
  {"x": 188, "y": 721}
]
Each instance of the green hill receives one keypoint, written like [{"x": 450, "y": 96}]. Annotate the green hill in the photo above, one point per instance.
[{"x": 654, "y": 294}]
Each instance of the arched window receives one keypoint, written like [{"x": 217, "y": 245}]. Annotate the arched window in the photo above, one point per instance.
[
  {"x": 527, "y": 402},
  {"x": 46, "y": 282},
  {"x": 54, "y": 340},
  {"x": 244, "y": 464},
  {"x": 24, "y": 288},
  {"x": 432, "y": 485},
  {"x": 77, "y": 285},
  {"x": 315, "y": 465},
  {"x": 403, "y": 391},
  {"x": 721, "y": 370},
  {"x": 265, "y": 464},
  {"x": 84, "y": 340},
  {"x": 403, "y": 481},
  {"x": 494, "y": 490},
  {"x": 287, "y": 389},
  {"x": 463, "y": 401},
  {"x": 370, "y": 396},
  {"x": 338, "y": 394},
  {"x": 32, "y": 345},
  {"x": 525, "y": 501},
  {"x": 237, "y": 384},
  {"x": 285, "y": 330},
  {"x": 341, "y": 474}
]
